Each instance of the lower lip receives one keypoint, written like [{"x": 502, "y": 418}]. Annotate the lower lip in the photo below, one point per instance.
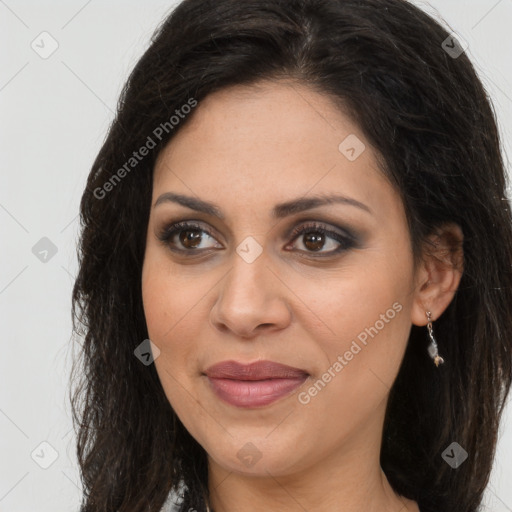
[{"x": 254, "y": 393}]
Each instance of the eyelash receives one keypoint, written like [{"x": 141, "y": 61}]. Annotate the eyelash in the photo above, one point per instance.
[{"x": 346, "y": 242}]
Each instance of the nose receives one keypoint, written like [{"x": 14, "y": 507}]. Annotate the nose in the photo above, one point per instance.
[{"x": 252, "y": 299}]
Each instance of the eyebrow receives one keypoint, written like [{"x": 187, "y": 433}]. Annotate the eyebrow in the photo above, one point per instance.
[{"x": 279, "y": 211}]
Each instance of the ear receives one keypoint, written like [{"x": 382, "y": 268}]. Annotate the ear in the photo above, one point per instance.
[{"x": 439, "y": 273}]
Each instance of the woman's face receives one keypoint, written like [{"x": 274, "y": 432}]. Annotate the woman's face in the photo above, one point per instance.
[{"x": 334, "y": 302}]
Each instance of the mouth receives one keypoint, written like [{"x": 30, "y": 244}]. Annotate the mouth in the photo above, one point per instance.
[{"x": 253, "y": 385}]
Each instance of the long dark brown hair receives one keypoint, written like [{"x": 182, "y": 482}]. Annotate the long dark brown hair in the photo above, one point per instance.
[{"x": 387, "y": 64}]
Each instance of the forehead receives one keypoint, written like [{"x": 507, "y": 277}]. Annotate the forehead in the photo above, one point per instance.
[{"x": 268, "y": 143}]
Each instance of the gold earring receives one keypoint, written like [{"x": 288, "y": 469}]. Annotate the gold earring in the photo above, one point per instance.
[{"x": 432, "y": 349}]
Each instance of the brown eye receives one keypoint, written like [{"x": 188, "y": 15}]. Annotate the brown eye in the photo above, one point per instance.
[
  {"x": 191, "y": 237},
  {"x": 314, "y": 241},
  {"x": 316, "y": 237}
]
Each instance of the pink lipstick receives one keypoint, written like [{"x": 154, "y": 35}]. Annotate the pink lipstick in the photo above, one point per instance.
[{"x": 253, "y": 385}]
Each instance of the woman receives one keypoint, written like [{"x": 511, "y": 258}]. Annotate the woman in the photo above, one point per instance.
[{"x": 295, "y": 275}]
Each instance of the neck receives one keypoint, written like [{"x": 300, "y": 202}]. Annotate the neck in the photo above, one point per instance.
[{"x": 347, "y": 480}]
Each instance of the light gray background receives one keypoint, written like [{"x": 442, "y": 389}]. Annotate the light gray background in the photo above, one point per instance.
[{"x": 54, "y": 116}]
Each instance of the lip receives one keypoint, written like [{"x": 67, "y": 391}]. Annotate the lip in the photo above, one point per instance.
[{"x": 253, "y": 385}]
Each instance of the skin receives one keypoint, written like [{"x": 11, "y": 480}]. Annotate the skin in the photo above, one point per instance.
[{"x": 246, "y": 149}]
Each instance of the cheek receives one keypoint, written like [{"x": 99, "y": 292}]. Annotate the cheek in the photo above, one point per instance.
[
  {"x": 365, "y": 313},
  {"x": 168, "y": 296},
  {"x": 168, "y": 309},
  {"x": 175, "y": 306},
  {"x": 368, "y": 310}
]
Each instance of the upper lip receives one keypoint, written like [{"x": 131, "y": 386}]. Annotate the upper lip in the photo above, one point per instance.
[{"x": 258, "y": 370}]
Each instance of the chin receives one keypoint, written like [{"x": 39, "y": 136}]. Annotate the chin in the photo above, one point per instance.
[{"x": 258, "y": 456}]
